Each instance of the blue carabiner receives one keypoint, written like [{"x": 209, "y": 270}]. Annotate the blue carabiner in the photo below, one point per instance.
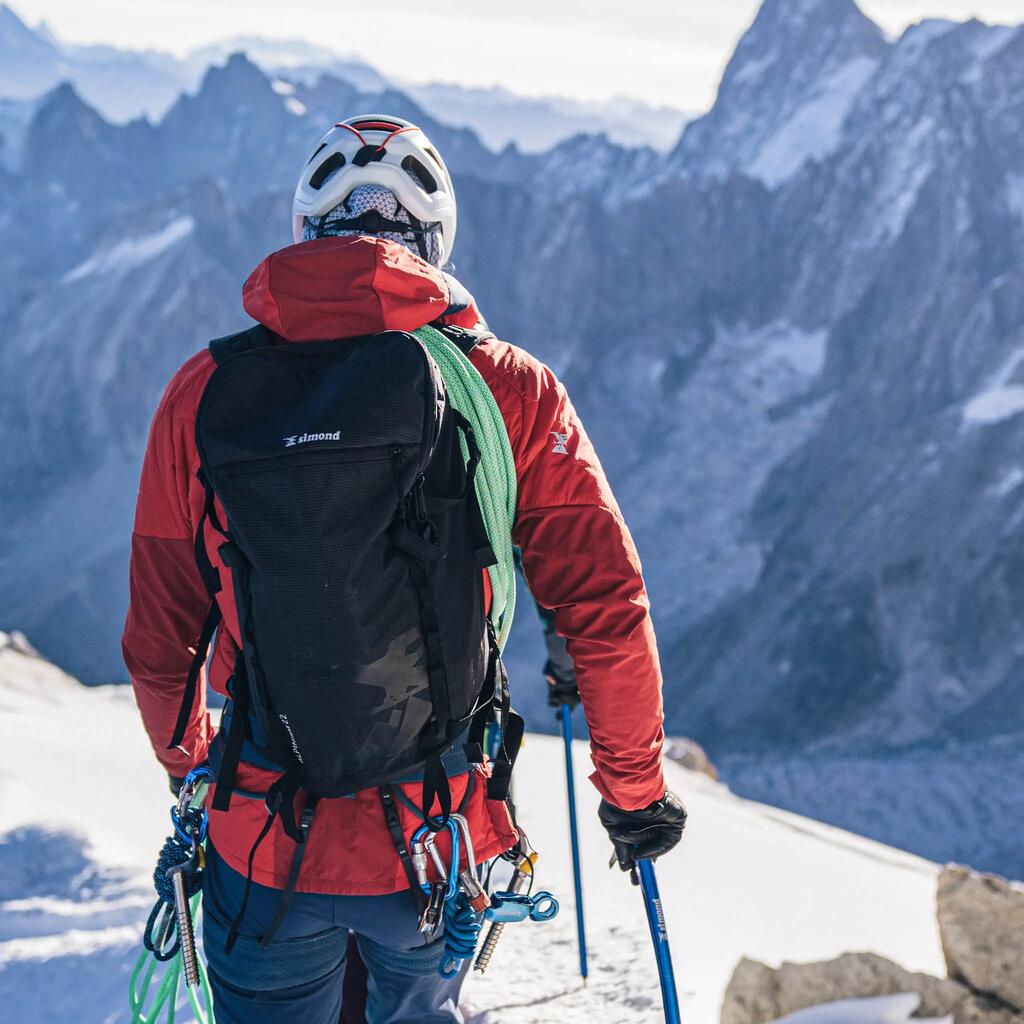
[
  {"x": 193, "y": 827},
  {"x": 453, "y": 868}
]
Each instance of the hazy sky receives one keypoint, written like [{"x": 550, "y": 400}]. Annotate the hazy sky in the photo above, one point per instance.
[{"x": 670, "y": 51}]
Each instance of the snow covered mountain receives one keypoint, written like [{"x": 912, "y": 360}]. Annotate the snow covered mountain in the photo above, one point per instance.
[
  {"x": 75, "y": 882},
  {"x": 122, "y": 83},
  {"x": 501, "y": 117},
  {"x": 806, "y": 385},
  {"x": 127, "y": 84},
  {"x": 786, "y": 91}
]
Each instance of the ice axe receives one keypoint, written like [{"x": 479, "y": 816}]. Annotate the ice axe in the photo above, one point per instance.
[
  {"x": 659, "y": 936},
  {"x": 565, "y": 717}
]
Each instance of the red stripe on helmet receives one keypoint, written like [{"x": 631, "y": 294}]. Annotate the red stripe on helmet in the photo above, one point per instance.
[
  {"x": 355, "y": 132},
  {"x": 384, "y": 126},
  {"x": 398, "y": 131}
]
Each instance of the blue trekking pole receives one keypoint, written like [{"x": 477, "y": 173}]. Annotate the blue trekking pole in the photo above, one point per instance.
[
  {"x": 565, "y": 716},
  {"x": 659, "y": 935}
]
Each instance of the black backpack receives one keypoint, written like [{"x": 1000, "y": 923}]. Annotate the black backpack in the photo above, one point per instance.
[{"x": 356, "y": 548}]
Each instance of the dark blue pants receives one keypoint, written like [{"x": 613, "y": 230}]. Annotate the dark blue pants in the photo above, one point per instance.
[{"x": 299, "y": 977}]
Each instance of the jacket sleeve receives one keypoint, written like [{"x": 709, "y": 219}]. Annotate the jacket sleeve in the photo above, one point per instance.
[
  {"x": 580, "y": 561},
  {"x": 168, "y": 601}
]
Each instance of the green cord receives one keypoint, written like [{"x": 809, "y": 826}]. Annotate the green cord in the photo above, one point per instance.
[
  {"x": 496, "y": 486},
  {"x": 166, "y": 998}
]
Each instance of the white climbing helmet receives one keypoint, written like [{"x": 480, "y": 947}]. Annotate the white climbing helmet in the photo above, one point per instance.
[{"x": 375, "y": 149}]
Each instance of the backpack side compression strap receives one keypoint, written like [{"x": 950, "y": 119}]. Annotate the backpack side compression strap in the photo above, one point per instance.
[{"x": 212, "y": 583}]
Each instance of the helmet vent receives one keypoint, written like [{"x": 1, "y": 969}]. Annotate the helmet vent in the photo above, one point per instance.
[
  {"x": 323, "y": 145},
  {"x": 415, "y": 169},
  {"x": 333, "y": 163}
]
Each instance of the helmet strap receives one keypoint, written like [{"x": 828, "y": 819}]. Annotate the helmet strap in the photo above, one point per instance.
[
  {"x": 372, "y": 222},
  {"x": 420, "y": 233}
]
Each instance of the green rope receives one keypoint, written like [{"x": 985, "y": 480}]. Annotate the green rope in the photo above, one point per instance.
[
  {"x": 496, "y": 477},
  {"x": 165, "y": 999}
]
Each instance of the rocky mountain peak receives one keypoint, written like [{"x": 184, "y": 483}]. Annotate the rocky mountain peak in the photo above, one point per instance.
[
  {"x": 785, "y": 91},
  {"x": 61, "y": 111},
  {"x": 14, "y": 33},
  {"x": 237, "y": 80},
  {"x": 28, "y": 60}
]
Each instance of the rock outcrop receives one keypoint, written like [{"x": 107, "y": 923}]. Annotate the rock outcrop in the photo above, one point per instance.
[
  {"x": 690, "y": 754},
  {"x": 758, "y": 994},
  {"x": 981, "y": 923}
]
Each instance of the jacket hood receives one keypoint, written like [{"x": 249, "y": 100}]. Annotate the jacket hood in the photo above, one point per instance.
[{"x": 330, "y": 288}]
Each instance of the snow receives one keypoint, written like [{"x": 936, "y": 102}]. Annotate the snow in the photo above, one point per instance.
[
  {"x": 995, "y": 405},
  {"x": 909, "y": 166},
  {"x": 895, "y": 1009},
  {"x": 753, "y": 69},
  {"x": 747, "y": 405},
  {"x": 988, "y": 43},
  {"x": 814, "y": 129},
  {"x": 1015, "y": 195},
  {"x": 955, "y": 801},
  {"x": 1009, "y": 482},
  {"x": 918, "y": 36},
  {"x": 77, "y": 850},
  {"x": 803, "y": 351},
  {"x": 282, "y": 88},
  {"x": 294, "y": 106},
  {"x": 130, "y": 253},
  {"x": 1001, "y": 400}
]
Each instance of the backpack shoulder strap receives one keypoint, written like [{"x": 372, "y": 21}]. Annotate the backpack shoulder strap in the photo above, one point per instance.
[
  {"x": 230, "y": 345},
  {"x": 221, "y": 349},
  {"x": 464, "y": 339}
]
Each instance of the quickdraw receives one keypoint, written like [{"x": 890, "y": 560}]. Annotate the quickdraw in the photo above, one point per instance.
[
  {"x": 458, "y": 899},
  {"x": 169, "y": 936}
]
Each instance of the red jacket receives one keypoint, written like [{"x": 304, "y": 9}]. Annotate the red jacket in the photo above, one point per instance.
[{"x": 578, "y": 558}]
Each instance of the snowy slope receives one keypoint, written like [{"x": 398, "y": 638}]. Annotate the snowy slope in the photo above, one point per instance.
[{"x": 748, "y": 880}]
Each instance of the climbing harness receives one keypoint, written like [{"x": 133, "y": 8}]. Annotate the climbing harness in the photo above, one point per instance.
[{"x": 169, "y": 936}]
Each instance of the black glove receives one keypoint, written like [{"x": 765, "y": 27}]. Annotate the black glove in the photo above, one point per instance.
[
  {"x": 644, "y": 834},
  {"x": 562, "y": 690},
  {"x": 175, "y": 782}
]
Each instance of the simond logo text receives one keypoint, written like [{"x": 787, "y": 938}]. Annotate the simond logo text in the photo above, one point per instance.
[{"x": 291, "y": 442}]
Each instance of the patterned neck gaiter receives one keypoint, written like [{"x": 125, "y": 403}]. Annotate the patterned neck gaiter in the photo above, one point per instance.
[{"x": 376, "y": 197}]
